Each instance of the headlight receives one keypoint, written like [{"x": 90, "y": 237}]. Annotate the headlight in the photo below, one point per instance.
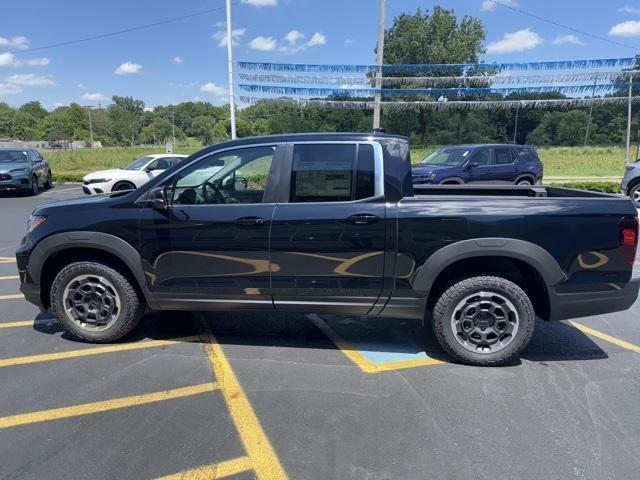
[
  {"x": 35, "y": 221},
  {"x": 98, "y": 180}
]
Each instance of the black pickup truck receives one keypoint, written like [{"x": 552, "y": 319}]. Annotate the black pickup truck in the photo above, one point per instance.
[{"x": 332, "y": 223}]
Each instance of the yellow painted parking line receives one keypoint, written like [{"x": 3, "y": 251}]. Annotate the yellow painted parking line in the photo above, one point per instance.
[
  {"x": 11, "y": 296},
  {"x": 255, "y": 441},
  {"x": 214, "y": 472},
  {"x": 7, "y": 260},
  {"x": 85, "y": 352},
  {"x": 607, "y": 338},
  {"x": 22, "y": 323},
  {"x": 9, "y": 277},
  {"x": 104, "y": 406},
  {"x": 352, "y": 353}
]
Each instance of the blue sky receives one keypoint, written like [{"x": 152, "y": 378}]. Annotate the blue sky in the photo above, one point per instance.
[{"x": 184, "y": 61}]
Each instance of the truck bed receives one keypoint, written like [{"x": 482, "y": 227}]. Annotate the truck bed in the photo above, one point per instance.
[{"x": 508, "y": 191}]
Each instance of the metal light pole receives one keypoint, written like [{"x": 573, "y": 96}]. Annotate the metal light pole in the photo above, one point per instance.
[
  {"x": 515, "y": 127},
  {"x": 629, "y": 121},
  {"x": 379, "y": 60},
  {"x": 593, "y": 94},
  {"x": 232, "y": 106}
]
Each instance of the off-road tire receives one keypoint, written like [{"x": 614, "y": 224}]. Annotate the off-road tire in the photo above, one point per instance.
[
  {"x": 129, "y": 315},
  {"x": 447, "y": 303}
]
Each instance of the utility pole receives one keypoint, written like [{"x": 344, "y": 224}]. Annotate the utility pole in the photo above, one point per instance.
[
  {"x": 379, "y": 60},
  {"x": 593, "y": 94},
  {"x": 90, "y": 124},
  {"x": 628, "y": 158},
  {"x": 232, "y": 106},
  {"x": 515, "y": 127},
  {"x": 173, "y": 128}
]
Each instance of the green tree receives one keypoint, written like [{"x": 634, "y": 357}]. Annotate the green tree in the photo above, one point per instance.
[
  {"x": 439, "y": 37},
  {"x": 202, "y": 128}
]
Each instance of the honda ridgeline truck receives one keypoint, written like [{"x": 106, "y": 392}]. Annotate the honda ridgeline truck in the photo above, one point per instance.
[{"x": 331, "y": 223}]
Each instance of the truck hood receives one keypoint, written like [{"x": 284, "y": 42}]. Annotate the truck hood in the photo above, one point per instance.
[{"x": 7, "y": 167}]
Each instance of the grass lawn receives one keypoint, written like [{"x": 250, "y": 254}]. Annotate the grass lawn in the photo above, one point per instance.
[
  {"x": 558, "y": 161},
  {"x": 569, "y": 161}
]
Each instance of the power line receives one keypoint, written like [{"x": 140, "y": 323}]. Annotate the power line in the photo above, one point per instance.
[
  {"x": 121, "y": 32},
  {"x": 566, "y": 27}
]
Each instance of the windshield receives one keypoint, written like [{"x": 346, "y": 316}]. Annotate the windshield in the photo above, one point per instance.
[
  {"x": 447, "y": 156},
  {"x": 13, "y": 156},
  {"x": 139, "y": 163}
]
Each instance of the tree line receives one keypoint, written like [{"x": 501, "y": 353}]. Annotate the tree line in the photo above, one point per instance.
[{"x": 414, "y": 38}]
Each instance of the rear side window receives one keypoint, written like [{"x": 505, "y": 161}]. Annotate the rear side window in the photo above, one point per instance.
[
  {"x": 529, "y": 155},
  {"x": 503, "y": 156},
  {"x": 332, "y": 173}
]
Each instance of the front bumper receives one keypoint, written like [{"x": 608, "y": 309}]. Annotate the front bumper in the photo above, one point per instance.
[
  {"x": 93, "y": 188},
  {"x": 14, "y": 184},
  {"x": 574, "y": 305}
]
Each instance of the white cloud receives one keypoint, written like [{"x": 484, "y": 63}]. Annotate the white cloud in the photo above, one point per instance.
[
  {"x": 14, "y": 42},
  {"x": 349, "y": 41},
  {"x": 293, "y": 36},
  {"x": 489, "y": 5},
  {"x": 264, "y": 44},
  {"x": 519, "y": 41},
  {"x": 31, "y": 80},
  {"x": 128, "y": 68},
  {"x": 221, "y": 35},
  {"x": 93, "y": 97},
  {"x": 571, "y": 38},
  {"x": 59, "y": 104},
  {"x": 36, "y": 62},
  {"x": 8, "y": 59},
  {"x": 9, "y": 88},
  {"x": 81, "y": 86},
  {"x": 629, "y": 9},
  {"x": 178, "y": 60},
  {"x": 317, "y": 39},
  {"x": 630, "y": 28},
  {"x": 262, "y": 3},
  {"x": 214, "y": 89}
]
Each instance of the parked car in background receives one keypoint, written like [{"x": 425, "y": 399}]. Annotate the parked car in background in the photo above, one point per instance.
[
  {"x": 509, "y": 164},
  {"x": 133, "y": 176},
  {"x": 24, "y": 170},
  {"x": 631, "y": 182}
]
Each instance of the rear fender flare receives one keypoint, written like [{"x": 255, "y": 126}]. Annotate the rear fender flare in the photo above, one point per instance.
[{"x": 530, "y": 253}]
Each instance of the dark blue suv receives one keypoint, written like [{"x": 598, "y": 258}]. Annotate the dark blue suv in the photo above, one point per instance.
[{"x": 515, "y": 164}]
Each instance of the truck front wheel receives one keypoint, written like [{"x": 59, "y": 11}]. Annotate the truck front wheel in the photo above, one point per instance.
[
  {"x": 484, "y": 321},
  {"x": 95, "y": 302}
]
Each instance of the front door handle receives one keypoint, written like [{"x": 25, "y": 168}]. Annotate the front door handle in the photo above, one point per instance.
[
  {"x": 249, "y": 221},
  {"x": 362, "y": 219}
]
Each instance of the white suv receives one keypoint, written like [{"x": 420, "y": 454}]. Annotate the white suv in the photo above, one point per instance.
[{"x": 130, "y": 177}]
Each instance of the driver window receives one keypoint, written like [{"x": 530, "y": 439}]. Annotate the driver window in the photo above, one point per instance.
[
  {"x": 232, "y": 176},
  {"x": 482, "y": 157}
]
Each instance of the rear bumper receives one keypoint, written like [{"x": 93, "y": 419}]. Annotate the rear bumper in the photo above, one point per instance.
[{"x": 574, "y": 305}]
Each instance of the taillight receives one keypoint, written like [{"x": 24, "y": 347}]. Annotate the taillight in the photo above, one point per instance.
[{"x": 629, "y": 238}]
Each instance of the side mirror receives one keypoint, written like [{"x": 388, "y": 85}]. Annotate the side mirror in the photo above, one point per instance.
[
  {"x": 241, "y": 184},
  {"x": 158, "y": 199},
  {"x": 470, "y": 165}
]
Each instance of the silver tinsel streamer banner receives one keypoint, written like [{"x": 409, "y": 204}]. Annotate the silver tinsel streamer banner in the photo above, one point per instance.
[
  {"x": 449, "y": 81},
  {"x": 610, "y": 63},
  {"x": 455, "y": 105},
  {"x": 282, "y": 90}
]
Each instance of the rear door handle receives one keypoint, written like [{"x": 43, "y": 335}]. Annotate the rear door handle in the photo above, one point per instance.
[
  {"x": 362, "y": 219},
  {"x": 249, "y": 221}
]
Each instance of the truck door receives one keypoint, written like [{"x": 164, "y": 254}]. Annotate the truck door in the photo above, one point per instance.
[
  {"x": 328, "y": 237},
  {"x": 211, "y": 248}
]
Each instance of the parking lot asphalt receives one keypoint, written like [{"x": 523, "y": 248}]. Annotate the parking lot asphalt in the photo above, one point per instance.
[{"x": 274, "y": 396}]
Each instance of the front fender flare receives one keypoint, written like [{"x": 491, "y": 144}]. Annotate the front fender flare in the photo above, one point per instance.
[{"x": 528, "y": 252}]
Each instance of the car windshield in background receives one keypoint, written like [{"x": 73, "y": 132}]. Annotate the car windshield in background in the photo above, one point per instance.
[
  {"x": 447, "y": 156},
  {"x": 139, "y": 163},
  {"x": 13, "y": 156}
]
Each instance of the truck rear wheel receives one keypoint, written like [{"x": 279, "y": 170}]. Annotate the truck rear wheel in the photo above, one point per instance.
[
  {"x": 95, "y": 303},
  {"x": 484, "y": 321}
]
